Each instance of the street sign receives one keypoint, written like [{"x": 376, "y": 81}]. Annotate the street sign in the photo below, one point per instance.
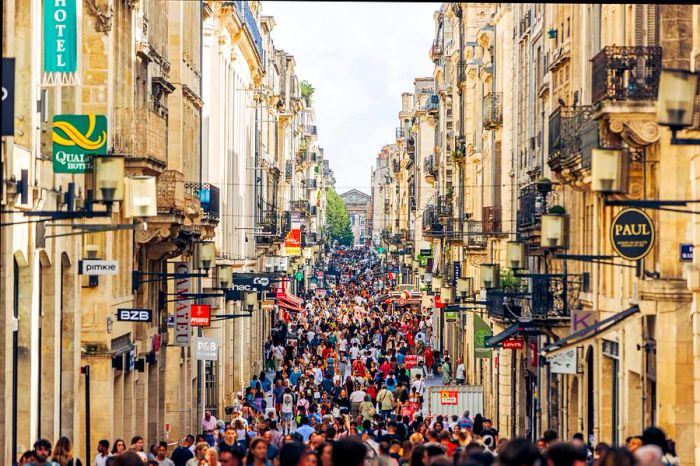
[
  {"x": 687, "y": 252},
  {"x": 514, "y": 343},
  {"x": 98, "y": 267},
  {"x": 206, "y": 349},
  {"x": 8, "y": 97},
  {"x": 134, "y": 315},
  {"x": 299, "y": 276},
  {"x": 200, "y": 315},
  {"x": 76, "y": 139},
  {"x": 632, "y": 234}
]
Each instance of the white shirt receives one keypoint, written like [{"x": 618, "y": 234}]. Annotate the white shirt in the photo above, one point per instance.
[
  {"x": 460, "y": 371},
  {"x": 102, "y": 460},
  {"x": 354, "y": 352},
  {"x": 419, "y": 385},
  {"x": 358, "y": 396},
  {"x": 318, "y": 376},
  {"x": 287, "y": 403}
]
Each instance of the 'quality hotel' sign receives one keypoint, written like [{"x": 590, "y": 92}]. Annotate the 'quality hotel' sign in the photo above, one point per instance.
[{"x": 632, "y": 234}]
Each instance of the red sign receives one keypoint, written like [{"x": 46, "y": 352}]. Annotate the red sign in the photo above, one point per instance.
[
  {"x": 292, "y": 243},
  {"x": 200, "y": 315},
  {"x": 402, "y": 302},
  {"x": 411, "y": 360},
  {"x": 438, "y": 302},
  {"x": 448, "y": 397},
  {"x": 514, "y": 343}
]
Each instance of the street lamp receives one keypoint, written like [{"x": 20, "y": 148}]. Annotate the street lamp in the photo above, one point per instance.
[
  {"x": 553, "y": 234},
  {"x": 607, "y": 171},
  {"x": 224, "y": 276},
  {"x": 206, "y": 255},
  {"x": 109, "y": 178},
  {"x": 435, "y": 283},
  {"x": 141, "y": 196},
  {"x": 515, "y": 254},
  {"x": 463, "y": 287},
  {"x": 490, "y": 275},
  {"x": 677, "y": 91}
]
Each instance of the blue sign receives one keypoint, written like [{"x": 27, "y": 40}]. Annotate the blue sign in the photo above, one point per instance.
[
  {"x": 394, "y": 269},
  {"x": 456, "y": 272},
  {"x": 687, "y": 252}
]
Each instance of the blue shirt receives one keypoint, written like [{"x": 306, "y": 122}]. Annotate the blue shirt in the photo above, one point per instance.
[
  {"x": 305, "y": 431},
  {"x": 400, "y": 357}
]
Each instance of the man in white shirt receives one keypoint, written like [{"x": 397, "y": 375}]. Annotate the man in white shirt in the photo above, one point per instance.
[
  {"x": 357, "y": 397},
  {"x": 318, "y": 376},
  {"x": 461, "y": 372},
  {"x": 103, "y": 453},
  {"x": 419, "y": 385}
]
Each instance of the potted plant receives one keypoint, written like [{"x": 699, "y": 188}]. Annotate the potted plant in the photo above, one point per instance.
[{"x": 544, "y": 185}]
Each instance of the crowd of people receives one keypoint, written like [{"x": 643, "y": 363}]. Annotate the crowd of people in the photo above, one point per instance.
[{"x": 338, "y": 390}]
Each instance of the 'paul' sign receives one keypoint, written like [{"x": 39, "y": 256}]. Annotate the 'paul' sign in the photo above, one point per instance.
[
  {"x": 632, "y": 234},
  {"x": 60, "y": 36}
]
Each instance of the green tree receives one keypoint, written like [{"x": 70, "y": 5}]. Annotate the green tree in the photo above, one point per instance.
[
  {"x": 307, "y": 92},
  {"x": 337, "y": 219}
]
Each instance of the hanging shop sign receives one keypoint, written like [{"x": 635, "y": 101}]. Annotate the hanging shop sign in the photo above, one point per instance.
[
  {"x": 456, "y": 272},
  {"x": 513, "y": 343},
  {"x": 482, "y": 332},
  {"x": 181, "y": 333},
  {"x": 60, "y": 43},
  {"x": 528, "y": 329},
  {"x": 450, "y": 316},
  {"x": 292, "y": 243},
  {"x": 632, "y": 234},
  {"x": 200, "y": 315},
  {"x": 8, "y": 97},
  {"x": 134, "y": 315},
  {"x": 251, "y": 282},
  {"x": 564, "y": 362},
  {"x": 98, "y": 267},
  {"x": 206, "y": 349},
  {"x": 76, "y": 139}
]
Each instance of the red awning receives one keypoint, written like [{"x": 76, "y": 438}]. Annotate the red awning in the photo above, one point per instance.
[{"x": 289, "y": 301}]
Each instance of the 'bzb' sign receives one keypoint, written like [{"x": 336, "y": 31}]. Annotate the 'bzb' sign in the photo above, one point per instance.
[
  {"x": 134, "y": 315},
  {"x": 76, "y": 138},
  {"x": 632, "y": 234}
]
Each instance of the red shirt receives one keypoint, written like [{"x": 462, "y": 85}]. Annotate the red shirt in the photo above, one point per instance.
[{"x": 385, "y": 368}]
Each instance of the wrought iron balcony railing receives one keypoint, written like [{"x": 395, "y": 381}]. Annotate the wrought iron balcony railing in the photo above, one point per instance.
[
  {"x": 208, "y": 195},
  {"x": 629, "y": 72},
  {"x": 431, "y": 221},
  {"x": 474, "y": 237},
  {"x": 503, "y": 305},
  {"x": 566, "y": 126},
  {"x": 436, "y": 50},
  {"x": 252, "y": 26},
  {"x": 531, "y": 207},
  {"x": 429, "y": 167},
  {"x": 269, "y": 223},
  {"x": 444, "y": 206},
  {"x": 493, "y": 110}
]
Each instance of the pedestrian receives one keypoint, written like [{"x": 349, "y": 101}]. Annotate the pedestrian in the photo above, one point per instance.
[
  {"x": 103, "y": 453},
  {"x": 460, "y": 375},
  {"x": 200, "y": 455},
  {"x": 42, "y": 452},
  {"x": 293, "y": 454},
  {"x": 446, "y": 371},
  {"x": 349, "y": 452},
  {"x": 208, "y": 427},
  {"x": 63, "y": 453},
  {"x": 182, "y": 454}
]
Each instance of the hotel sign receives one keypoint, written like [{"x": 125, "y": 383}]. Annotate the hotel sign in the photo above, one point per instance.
[
  {"x": 76, "y": 139},
  {"x": 60, "y": 43},
  {"x": 632, "y": 234}
]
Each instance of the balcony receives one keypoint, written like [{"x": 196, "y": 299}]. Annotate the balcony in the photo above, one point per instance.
[
  {"x": 311, "y": 183},
  {"x": 431, "y": 222},
  {"x": 313, "y": 210},
  {"x": 310, "y": 130},
  {"x": 429, "y": 168},
  {"x": 530, "y": 208},
  {"x": 396, "y": 166},
  {"x": 491, "y": 217},
  {"x": 402, "y": 133},
  {"x": 209, "y": 199},
  {"x": 170, "y": 193},
  {"x": 444, "y": 206},
  {"x": 252, "y": 26},
  {"x": 554, "y": 297},
  {"x": 285, "y": 224},
  {"x": 269, "y": 225},
  {"x": 411, "y": 150},
  {"x": 311, "y": 239},
  {"x": 432, "y": 104},
  {"x": 396, "y": 239},
  {"x": 566, "y": 127},
  {"x": 436, "y": 50},
  {"x": 288, "y": 169},
  {"x": 503, "y": 305},
  {"x": 493, "y": 110},
  {"x": 626, "y": 73},
  {"x": 301, "y": 205},
  {"x": 142, "y": 136},
  {"x": 475, "y": 237}
]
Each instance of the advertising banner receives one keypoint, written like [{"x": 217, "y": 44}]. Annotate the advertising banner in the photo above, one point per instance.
[
  {"x": 482, "y": 332},
  {"x": 60, "y": 42},
  {"x": 76, "y": 138},
  {"x": 292, "y": 243},
  {"x": 181, "y": 332}
]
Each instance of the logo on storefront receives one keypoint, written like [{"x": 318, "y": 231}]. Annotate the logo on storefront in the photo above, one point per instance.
[
  {"x": 200, "y": 315},
  {"x": 76, "y": 138},
  {"x": 632, "y": 234}
]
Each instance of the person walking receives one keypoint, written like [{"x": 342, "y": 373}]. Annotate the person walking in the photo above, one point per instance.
[
  {"x": 460, "y": 375},
  {"x": 103, "y": 453},
  {"x": 446, "y": 371}
]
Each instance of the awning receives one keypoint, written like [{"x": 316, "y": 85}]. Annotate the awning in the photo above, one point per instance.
[
  {"x": 524, "y": 328},
  {"x": 590, "y": 332},
  {"x": 289, "y": 302},
  {"x": 498, "y": 339}
]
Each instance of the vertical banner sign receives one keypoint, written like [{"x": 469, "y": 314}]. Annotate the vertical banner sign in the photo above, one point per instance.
[
  {"x": 76, "y": 138},
  {"x": 181, "y": 333},
  {"x": 456, "y": 272},
  {"x": 481, "y": 333},
  {"x": 8, "y": 97},
  {"x": 292, "y": 243},
  {"x": 60, "y": 43}
]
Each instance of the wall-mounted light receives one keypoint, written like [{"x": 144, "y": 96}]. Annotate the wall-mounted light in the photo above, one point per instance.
[
  {"x": 515, "y": 254},
  {"x": 677, "y": 89},
  {"x": 224, "y": 274},
  {"x": 463, "y": 287},
  {"x": 446, "y": 295},
  {"x": 251, "y": 300},
  {"x": 436, "y": 283},
  {"x": 205, "y": 255},
  {"x": 607, "y": 170},
  {"x": 490, "y": 275}
]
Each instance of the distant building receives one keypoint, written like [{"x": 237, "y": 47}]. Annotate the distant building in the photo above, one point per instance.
[{"x": 357, "y": 203}]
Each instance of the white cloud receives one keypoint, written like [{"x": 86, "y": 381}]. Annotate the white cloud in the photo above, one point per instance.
[{"x": 359, "y": 57}]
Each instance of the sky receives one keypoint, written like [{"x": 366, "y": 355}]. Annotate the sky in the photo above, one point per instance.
[{"x": 359, "y": 57}]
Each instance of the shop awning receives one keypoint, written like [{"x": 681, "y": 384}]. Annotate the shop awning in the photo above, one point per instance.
[
  {"x": 504, "y": 335},
  {"x": 289, "y": 302},
  {"x": 523, "y": 328},
  {"x": 590, "y": 332}
]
